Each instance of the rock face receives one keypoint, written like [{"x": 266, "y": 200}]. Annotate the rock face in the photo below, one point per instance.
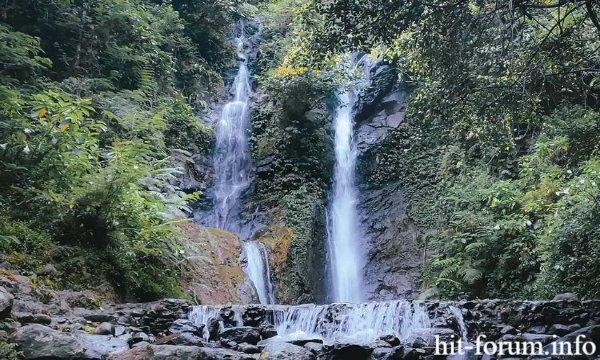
[
  {"x": 41, "y": 342},
  {"x": 392, "y": 241},
  {"x": 6, "y": 303},
  {"x": 285, "y": 351}
]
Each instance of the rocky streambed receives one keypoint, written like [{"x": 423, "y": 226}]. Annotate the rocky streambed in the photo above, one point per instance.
[{"x": 73, "y": 325}]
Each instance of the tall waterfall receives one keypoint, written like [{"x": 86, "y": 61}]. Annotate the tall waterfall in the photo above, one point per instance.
[
  {"x": 344, "y": 232},
  {"x": 233, "y": 170},
  {"x": 232, "y": 166}
]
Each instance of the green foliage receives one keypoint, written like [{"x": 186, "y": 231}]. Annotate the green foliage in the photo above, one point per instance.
[
  {"x": 9, "y": 352},
  {"x": 85, "y": 171}
]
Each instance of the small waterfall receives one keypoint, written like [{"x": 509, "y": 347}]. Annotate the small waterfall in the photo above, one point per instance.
[
  {"x": 354, "y": 323},
  {"x": 258, "y": 271},
  {"x": 462, "y": 326},
  {"x": 200, "y": 315},
  {"x": 233, "y": 170},
  {"x": 344, "y": 232}
]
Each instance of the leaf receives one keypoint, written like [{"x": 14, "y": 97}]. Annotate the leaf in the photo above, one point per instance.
[
  {"x": 493, "y": 202},
  {"x": 42, "y": 113},
  {"x": 62, "y": 128}
]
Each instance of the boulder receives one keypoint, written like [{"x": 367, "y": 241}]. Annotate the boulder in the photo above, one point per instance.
[
  {"x": 285, "y": 351},
  {"x": 247, "y": 348},
  {"x": 315, "y": 348},
  {"x": 182, "y": 325},
  {"x": 342, "y": 351},
  {"x": 103, "y": 329},
  {"x": 173, "y": 352},
  {"x": 212, "y": 326},
  {"x": 592, "y": 333},
  {"x": 387, "y": 354},
  {"x": 6, "y": 303},
  {"x": 560, "y": 330},
  {"x": 27, "y": 318},
  {"x": 390, "y": 339},
  {"x": 101, "y": 346},
  {"x": 40, "y": 342},
  {"x": 241, "y": 334},
  {"x": 566, "y": 297},
  {"x": 138, "y": 353}
]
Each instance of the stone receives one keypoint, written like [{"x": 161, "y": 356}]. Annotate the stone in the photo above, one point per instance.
[
  {"x": 173, "y": 352},
  {"x": 26, "y": 318},
  {"x": 267, "y": 331},
  {"x": 101, "y": 346},
  {"x": 212, "y": 326},
  {"x": 253, "y": 316},
  {"x": 285, "y": 351},
  {"x": 560, "y": 330},
  {"x": 241, "y": 334},
  {"x": 187, "y": 339},
  {"x": 138, "y": 353},
  {"x": 48, "y": 269},
  {"x": 387, "y": 354},
  {"x": 182, "y": 325},
  {"x": 104, "y": 328},
  {"x": 508, "y": 330},
  {"x": 6, "y": 303},
  {"x": 315, "y": 348},
  {"x": 592, "y": 333},
  {"x": 539, "y": 329},
  {"x": 566, "y": 297},
  {"x": 118, "y": 330},
  {"x": 342, "y": 351},
  {"x": 542, "y": 338},
  {"x": 390, "y": 339},
  {"x": 40, "y": 342},
  {"x": 302, "y": 342},
  {"x": 247, "y": 348},
  {"x": 139, "y": 337}
]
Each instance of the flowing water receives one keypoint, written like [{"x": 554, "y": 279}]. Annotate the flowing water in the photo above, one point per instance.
[
  {"x": 344, "y": 233},
  {"x": 356, "y": 323},
  {"x": 233, "y": 170},
  {"x": 258, "y": 271}
]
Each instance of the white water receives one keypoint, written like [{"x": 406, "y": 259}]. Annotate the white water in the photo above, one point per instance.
[
  {"x": 344, "y": 233},
  {"x": 354, "y": 323},
  {"x": 232, "y": 164},
  {"x": 463, "y": 334},
  {"x": 201, "y": 314},
  {"x": 233, "y": 171},
  {"x": 258, "y": 271}
]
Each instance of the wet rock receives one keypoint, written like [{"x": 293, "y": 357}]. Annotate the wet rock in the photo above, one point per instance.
[
  {"x": 182, "y": 326},
  {"x": 40, "y": 342},
  {"x": 285, "y": 351},
  {"x": 103, "y": 329},
  {"x": 253, "y": 316},
  {"x": 566, "y": 297},
  {"x": 267, "y": 331},
  {"x": 542, "y": 338},
  {"x": 560, "y": 330},
  {"x": 6, "y": 303},
  {"x": 228, "y": 316},
  {"x": 247, "y": 348},
  {"x": 508, "y": 330},
  {"x": 241, "y": 334},
  {"x": 118, "y": 330},
  {"x": 302, "y": 342},
  {"x": 139, "y": 337},
  {"x": 539, "y": 329},
  {"x": 315, "y": 348},
  {"x": 139, "y": 353},
  {"x": 592, "y": 333},
  {"x": 212, "y": 326},
  {"x": 390, "y": 339},
  {"x": 341, "y": 351},
  {"x": 188, "y": 339},
  {"x": 101, "y": 346},
  {"x": 387, "y": 354}
]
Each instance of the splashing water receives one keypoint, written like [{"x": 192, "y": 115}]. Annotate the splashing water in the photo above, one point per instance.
[
  {"x": 344, "y": 233},
  {"x": 258, "y": 271}
]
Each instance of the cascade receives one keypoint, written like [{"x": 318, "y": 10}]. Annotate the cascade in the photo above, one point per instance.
[
  {"x": 344, "y": 233},
  {"x": 233, "y": 170},
  {"x": 462, "y": 326},
  {"x": 258, "y": 271},
  {"x": 356, "y": 323}
]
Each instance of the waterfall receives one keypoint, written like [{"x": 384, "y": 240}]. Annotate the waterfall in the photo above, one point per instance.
[
  {"x": 344, "y": 232},
  {"x": 232, "y": 166},
  {"x": 233, "y": 170},
  {"x": 354, "y": 323},
  {"x": 258, "y": 271},
  {"x": 462, "y": 326}
]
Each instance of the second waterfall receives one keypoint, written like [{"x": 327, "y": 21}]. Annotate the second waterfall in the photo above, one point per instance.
[
  {"x": 344, "y": 233},
  {"x": 233, "y": 172}
]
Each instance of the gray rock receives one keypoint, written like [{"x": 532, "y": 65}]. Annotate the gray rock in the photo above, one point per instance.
[
  {"x": 560, "y": 330},
  {"x": 172, "y": 352},
  {"x": 247, "y": 348},
  {"x": 302, "y": 342},
  {"x": 285, "y": 351},
  {"x": 542, "y": 338},
  {"x": 139, "y": 337},
  {"x": 40, "y": 342},
  {"x": 540, "y": 329},
  {"x": 508, "y": 330},
  {"x": 118, "y": 330},
  {"x": 138, "y": 353},
  {"x": 101, "y": 346},
  {"x": 6, "y": 303},
  {"x": 26, "y": 318},
  {"x": 390, "y": 339},
  {"x": 49, "y": 269},
  {"x": 103, "y": 329},
  {"x": 592, "y": 333},
  {"x": 212, "y": 326},
  {"x": 387, "y": 354},
  {"x": 343, "y": 351},
  {"x": 241, "y": 334},
  {"x": 566, "y": 297},
  {"x": 315, "y": 348},
  {"x": 182, "y": 325}
]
